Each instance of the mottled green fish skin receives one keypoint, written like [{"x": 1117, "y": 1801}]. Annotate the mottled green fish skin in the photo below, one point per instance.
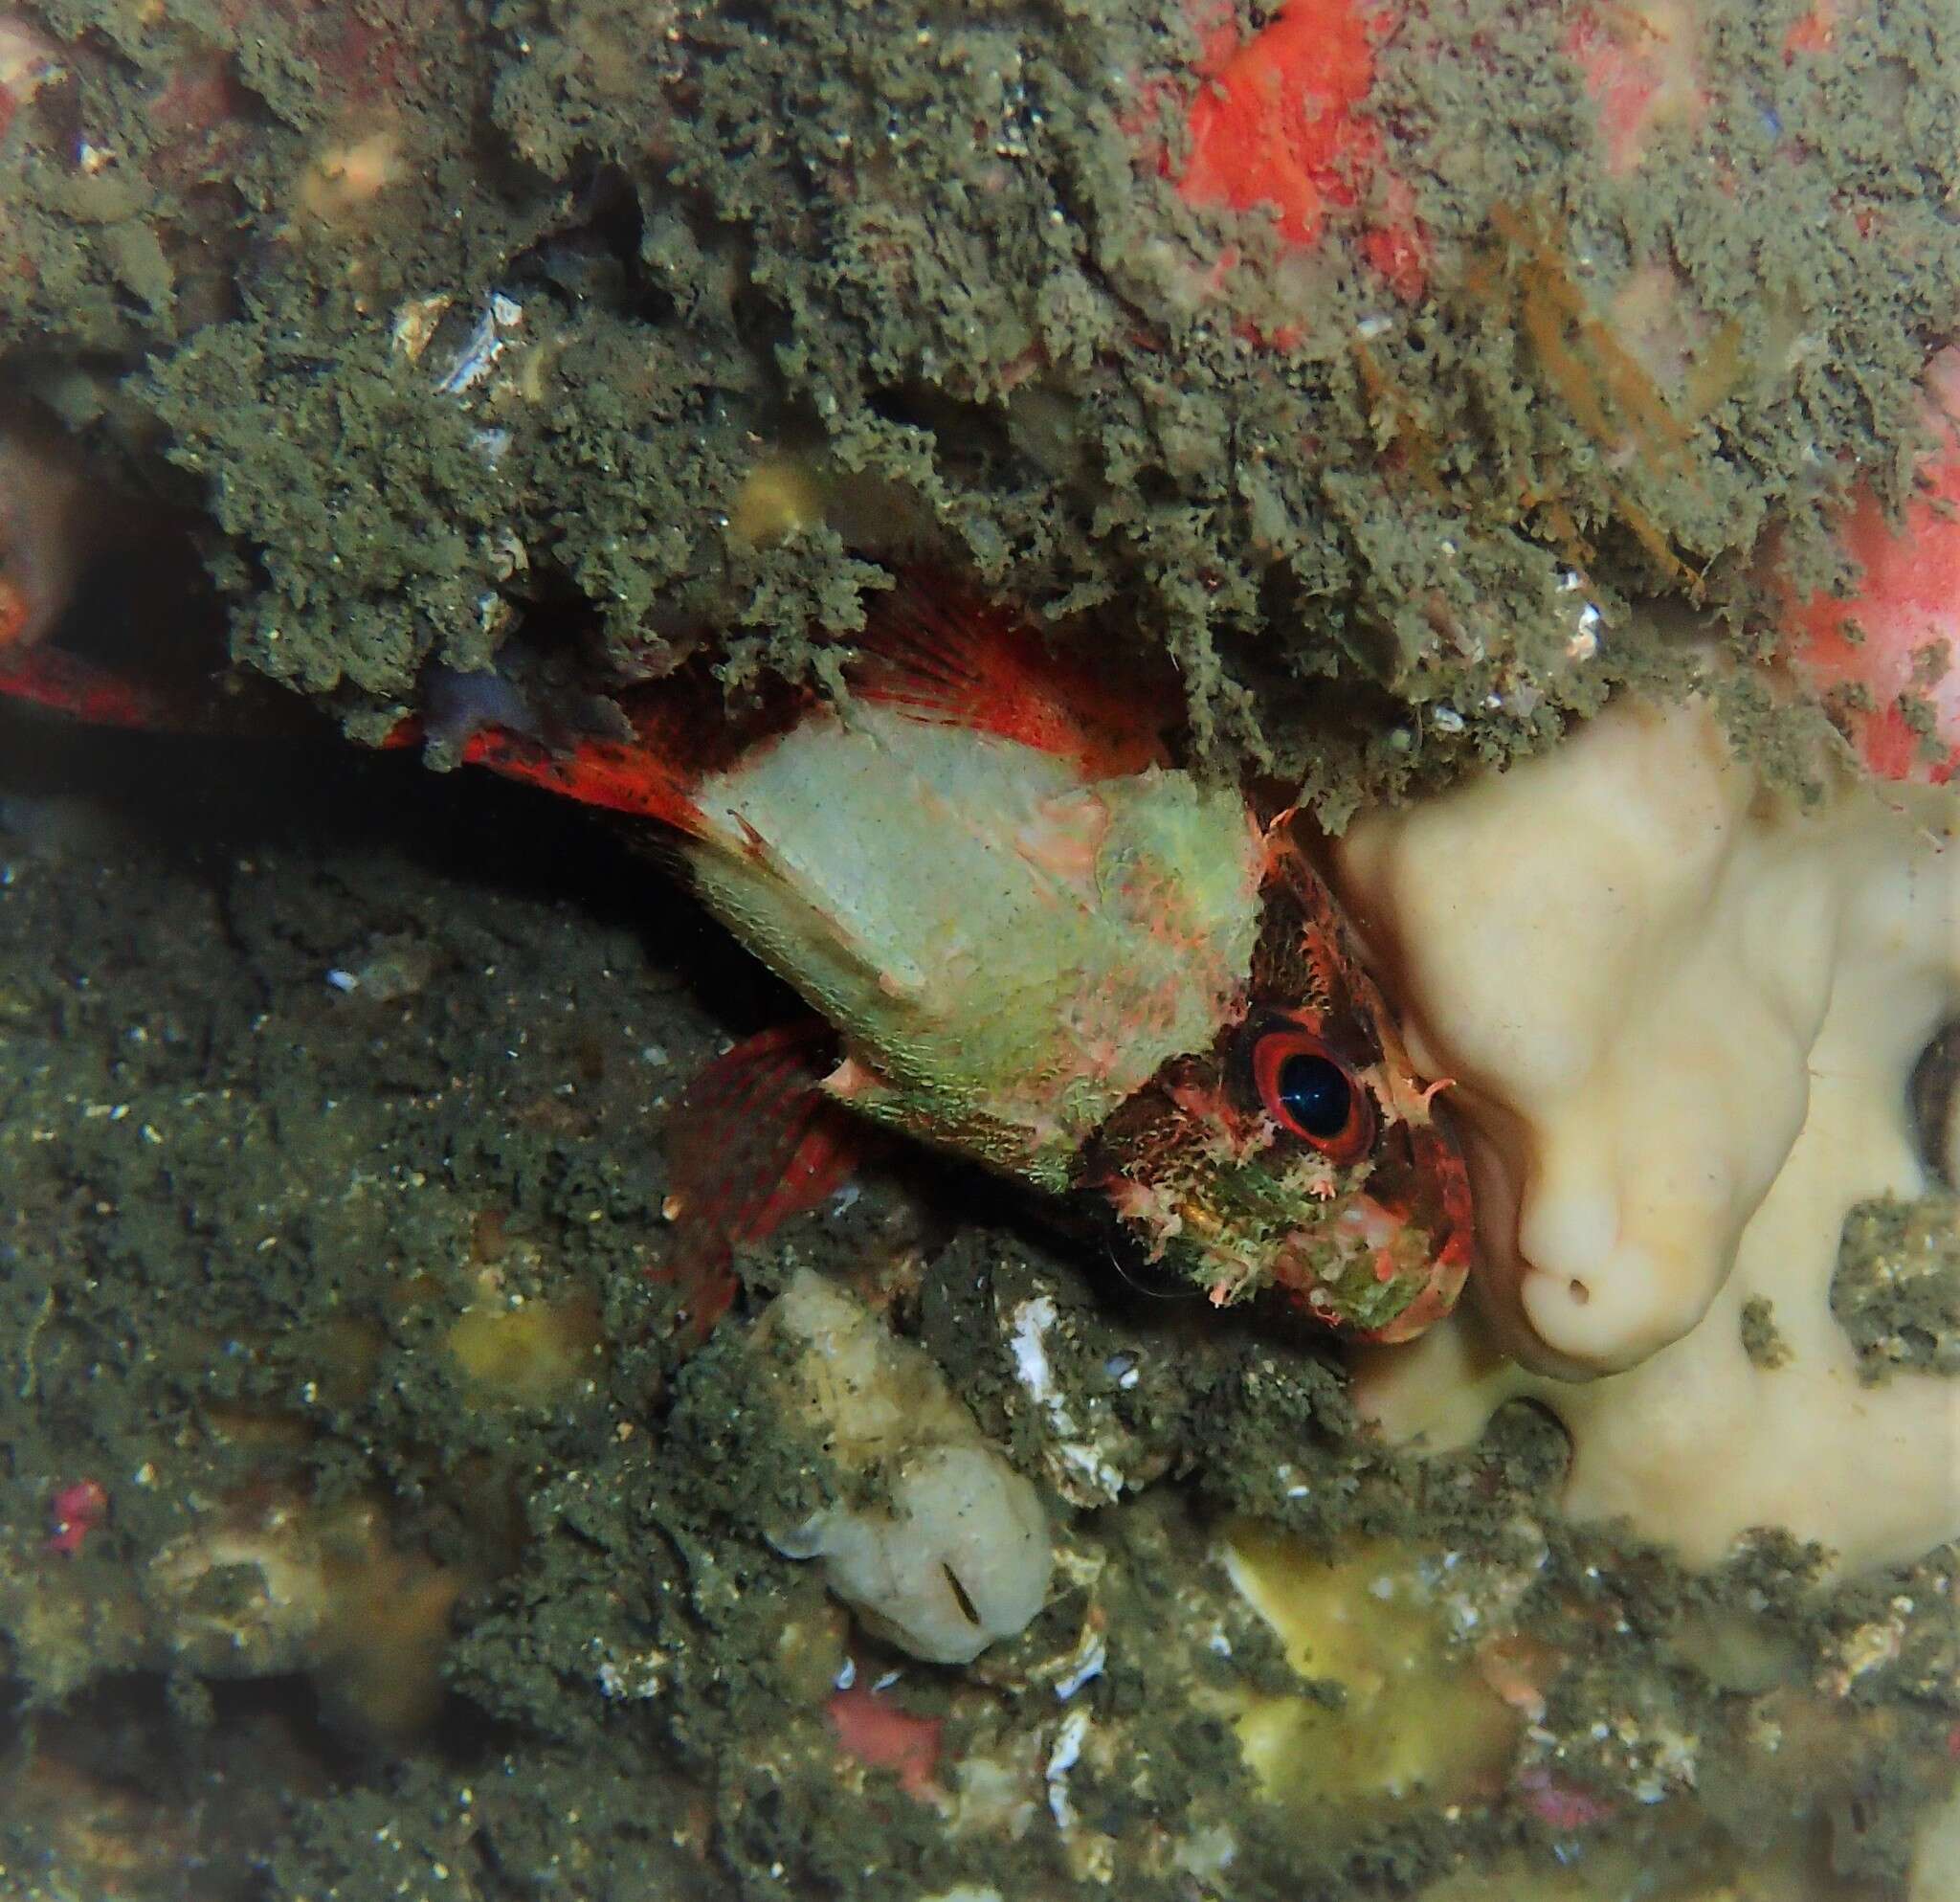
[{"x": 1008, "y": 952}]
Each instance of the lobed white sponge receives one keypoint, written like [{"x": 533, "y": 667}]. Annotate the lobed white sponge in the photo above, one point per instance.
[{"x": 1680, "y": 1011}]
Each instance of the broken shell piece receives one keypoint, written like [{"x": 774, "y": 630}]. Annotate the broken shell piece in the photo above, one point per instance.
[
  {"x": 954, "y": 1553},
  {"x": 1417, "y": 1712},
  {"x": 278, "y": 1585}
]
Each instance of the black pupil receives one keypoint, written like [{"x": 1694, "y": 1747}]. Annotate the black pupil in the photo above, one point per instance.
[{"x": 1315, "y": 1093}]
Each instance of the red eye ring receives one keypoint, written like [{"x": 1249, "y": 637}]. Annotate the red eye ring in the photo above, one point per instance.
[{"x": 1312, "y": 1094}]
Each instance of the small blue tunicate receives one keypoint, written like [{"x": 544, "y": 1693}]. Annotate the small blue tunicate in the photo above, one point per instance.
[{"x": 457, "y": 704}]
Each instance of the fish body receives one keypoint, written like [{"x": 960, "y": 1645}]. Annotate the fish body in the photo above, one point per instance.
[
  {"x": 1119, "y": 987},
  {"x": 1008, "y": 952}
]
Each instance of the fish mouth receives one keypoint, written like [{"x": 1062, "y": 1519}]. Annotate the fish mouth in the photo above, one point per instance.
[
  {"x": 1375, "y": 1272},
  {"x": 1414, "y": 1235},
  {"x": 1380, "y": 1263},
  {"x": 1433, "y": 1299},
  {"x": 1158, "y": 1275},
  {"x": 1369, "y": 1271},
  {"x": 1345, "y": 1280}
]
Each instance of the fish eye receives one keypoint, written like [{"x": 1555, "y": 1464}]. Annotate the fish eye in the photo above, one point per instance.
[{"x": 1311, "y": 1095}]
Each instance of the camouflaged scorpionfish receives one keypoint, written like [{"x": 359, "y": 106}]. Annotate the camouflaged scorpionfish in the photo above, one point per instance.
[
  {"x": 1042, "y": 945},
  {"x": 1038, "y": 943}
]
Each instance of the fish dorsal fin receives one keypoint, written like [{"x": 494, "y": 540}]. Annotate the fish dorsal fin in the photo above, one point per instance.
[{"x": 938, "y": 653}]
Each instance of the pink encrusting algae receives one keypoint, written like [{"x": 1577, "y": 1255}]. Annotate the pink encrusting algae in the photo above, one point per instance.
[
  {"x": 1643, "y": 72},
  {"x": 1276, "y": 120},
  {"x": 1887, "y": 655},
  {"x": 73, "y": 1512}
]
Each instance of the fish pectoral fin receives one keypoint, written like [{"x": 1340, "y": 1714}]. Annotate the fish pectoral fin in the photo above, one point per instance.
[{"x": 755, "y": 1140}]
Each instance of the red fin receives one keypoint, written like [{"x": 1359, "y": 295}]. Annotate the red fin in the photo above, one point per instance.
[
  {"x": 946, "y": 656},
  {"x": 618, "y": 776},
  {"x": 622, "y": 775},
  {"x": 752, "y": 1142},
  {"x": 58, "y": 683},
  {"x": 682, "y": 731}
]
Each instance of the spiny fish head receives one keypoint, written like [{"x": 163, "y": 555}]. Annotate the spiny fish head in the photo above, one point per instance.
[{"x": 1301, "y": 1150}]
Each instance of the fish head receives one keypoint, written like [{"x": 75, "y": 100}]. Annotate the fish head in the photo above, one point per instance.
[{"x": 1301, "y": 1150}]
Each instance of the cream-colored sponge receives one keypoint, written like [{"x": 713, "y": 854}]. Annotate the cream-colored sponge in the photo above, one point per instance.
[
  {"x": 957, "y": 1557},
  {"x": 1680, "y": 1011}
]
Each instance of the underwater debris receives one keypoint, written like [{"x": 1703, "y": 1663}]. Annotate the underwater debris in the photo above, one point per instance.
[{"x": 1584, "y": 360}]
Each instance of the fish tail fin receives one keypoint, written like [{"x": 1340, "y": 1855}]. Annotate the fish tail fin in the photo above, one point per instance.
[
  {"x": 667, "y": 737},
  {"x": 64, "y": 683},
  {"x": 647, "y": 776},
  {"x": 752, "y": 1142},
  {"x": 942, "y": 653}
]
